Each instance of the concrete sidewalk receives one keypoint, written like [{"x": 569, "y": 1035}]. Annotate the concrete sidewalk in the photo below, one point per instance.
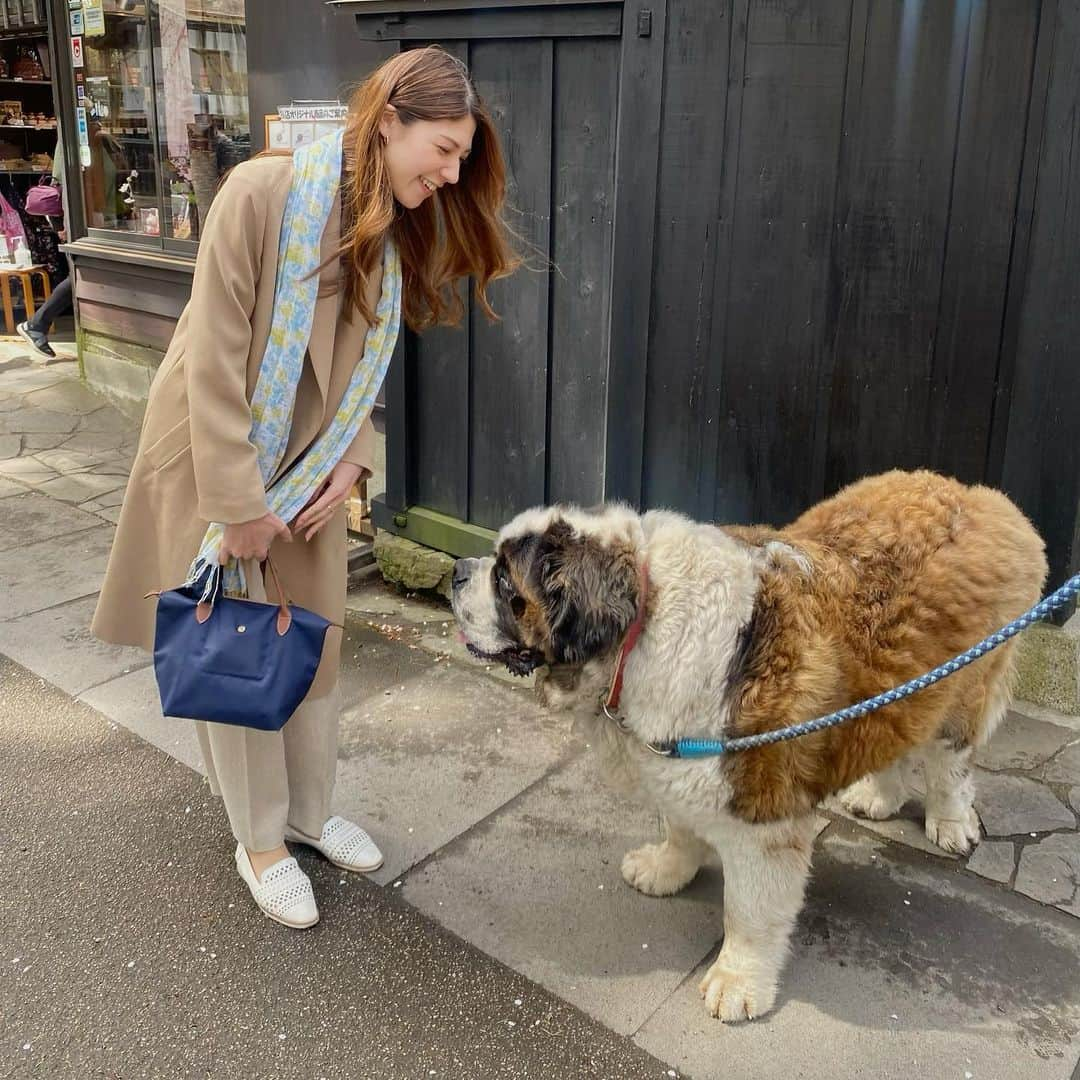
[{"x": 496, "y": 827}]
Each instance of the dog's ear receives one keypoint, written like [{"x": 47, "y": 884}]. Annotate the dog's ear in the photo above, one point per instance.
[{"x": 591, "y": 591}]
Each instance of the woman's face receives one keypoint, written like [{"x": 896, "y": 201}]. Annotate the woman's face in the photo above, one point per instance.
[{"x": 424, "y": 155}]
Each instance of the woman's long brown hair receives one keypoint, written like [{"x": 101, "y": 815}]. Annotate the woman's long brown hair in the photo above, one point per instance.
[{"x": 455, "y": 233}]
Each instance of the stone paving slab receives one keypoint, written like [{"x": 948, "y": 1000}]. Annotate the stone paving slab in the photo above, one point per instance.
[
  {"x": 57, "y": 645},
  {"x": 1012, "y": 805},
  {"x": 32, "y": 517},
  {"x": 10, "y": 446},
  {"x": 33, "y": 443},
  {"x": 66, "y": 460},
  {"x": 69, "y": 396},
  {"x": 112, "y": 498},
  {"x": 994, "y": 860},
  {"x": 424, "y": 622},
  {"x": 108, "y": 420},
  {"x": 1050, "y": 871},
  {"x": 376, "y": 658},
  {"x": 9, "y": 487},
  {"x": 29, "y": 420},
  {"x": 79, "y": 487},
  {"x": 426, "y": 758},
  {"x": 1022, "y": 743},
  {"x": 112, "y": 468},
  {"x": 379, "y": 599},
  {"x": 13, "y": 363},
  {"x": 538, "y": 886},
  {"x": 32, "y": 378},
  {"x": 1031, "y": 711},
  {"x": 959, "y": 982},
  {"x": 27, "y": 470},
  {"x": 95, "y": 442},
  {"x": 1064, "y": 768},
  {"x": 42, "y": 575}
]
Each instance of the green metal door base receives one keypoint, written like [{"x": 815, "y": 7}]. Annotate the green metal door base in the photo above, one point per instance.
[{"x": 432, "y": 529}]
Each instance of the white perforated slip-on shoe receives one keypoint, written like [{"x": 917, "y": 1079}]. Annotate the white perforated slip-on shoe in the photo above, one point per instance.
[
  {"x": 284, "y": 894},
  {"x": 344, "y": 844}
]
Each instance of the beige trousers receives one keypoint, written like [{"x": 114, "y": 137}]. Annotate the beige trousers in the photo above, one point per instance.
[{"x": 270, "y": 779}]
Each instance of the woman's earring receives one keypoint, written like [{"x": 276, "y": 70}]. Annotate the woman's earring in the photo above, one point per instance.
[{"x": 385, "y": 139}]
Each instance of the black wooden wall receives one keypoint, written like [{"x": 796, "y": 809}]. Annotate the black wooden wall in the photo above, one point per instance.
[
  {"x": 1039, "y": 392},
  {"x": 792, "y": 242},
  {"x": 850, "y": 254},
  {"x": 506, "y": 413}
]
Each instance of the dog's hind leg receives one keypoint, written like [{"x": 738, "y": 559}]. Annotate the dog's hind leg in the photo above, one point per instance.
[
  {"x": 977, "y": 709},
  {"x": 879, "y": 795},
  {"x": 664, "y": 869},
  {"x": 951, "y": 821}
]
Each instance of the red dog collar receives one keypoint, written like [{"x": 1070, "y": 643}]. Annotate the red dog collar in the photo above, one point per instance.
[{"x": 631, "y": 639}]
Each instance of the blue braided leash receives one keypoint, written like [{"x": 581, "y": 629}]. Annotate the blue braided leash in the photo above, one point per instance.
[{"x": 697, "y": 748}]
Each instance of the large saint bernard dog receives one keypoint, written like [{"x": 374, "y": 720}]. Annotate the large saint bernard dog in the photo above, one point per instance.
[{"x": 733, "y": 631}]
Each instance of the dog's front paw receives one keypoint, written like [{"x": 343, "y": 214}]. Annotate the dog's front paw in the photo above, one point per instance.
[
  {"x": 732, "y": 995},
  {"x": 658, "y": 869},
  {"x": 956, "y": 837}
]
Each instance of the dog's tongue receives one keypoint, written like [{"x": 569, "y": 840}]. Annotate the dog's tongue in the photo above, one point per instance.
[{"x": 461, "y": 637}]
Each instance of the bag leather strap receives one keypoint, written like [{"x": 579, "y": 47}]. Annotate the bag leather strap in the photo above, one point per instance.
[{"x": 204, "y": 608}]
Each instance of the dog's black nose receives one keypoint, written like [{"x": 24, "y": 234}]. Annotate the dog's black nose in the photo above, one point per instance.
[{"x": 461, "y": 573}]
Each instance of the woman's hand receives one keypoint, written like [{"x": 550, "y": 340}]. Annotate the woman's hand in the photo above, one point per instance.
[
  {"x": 252, "y": 539},
  {"x": 333, "y": 493}
]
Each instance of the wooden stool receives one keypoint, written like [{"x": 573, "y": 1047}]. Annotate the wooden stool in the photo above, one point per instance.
[{"x": 25, "y": 275}]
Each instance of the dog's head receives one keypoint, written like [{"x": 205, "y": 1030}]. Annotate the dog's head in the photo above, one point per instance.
[{"x": 561, "y": 588}]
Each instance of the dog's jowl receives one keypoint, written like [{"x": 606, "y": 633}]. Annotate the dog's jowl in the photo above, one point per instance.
[{"x": 700, "y": 631}]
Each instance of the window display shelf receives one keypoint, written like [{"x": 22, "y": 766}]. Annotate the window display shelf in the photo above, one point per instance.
[{"x": 187, "y": 111}]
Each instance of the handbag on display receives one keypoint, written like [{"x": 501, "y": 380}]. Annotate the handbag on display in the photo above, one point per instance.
[{"x": 45, "y": 199}]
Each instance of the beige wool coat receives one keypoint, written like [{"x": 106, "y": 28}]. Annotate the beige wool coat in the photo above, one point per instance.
[{"x": 195, "y": 463}]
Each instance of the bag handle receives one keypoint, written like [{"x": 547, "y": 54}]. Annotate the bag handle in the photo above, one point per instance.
[
  {"x": 284, "y": 619},
  {"x": 204, "y": 608}
]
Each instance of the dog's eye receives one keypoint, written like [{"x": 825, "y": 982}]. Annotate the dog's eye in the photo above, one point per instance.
[{"x": 509, "y": 593}]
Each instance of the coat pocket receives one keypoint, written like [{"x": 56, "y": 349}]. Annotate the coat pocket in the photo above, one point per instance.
[{"x": 170, "y": 446}]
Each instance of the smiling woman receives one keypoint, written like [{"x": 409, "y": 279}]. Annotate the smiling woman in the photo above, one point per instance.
[
  {"x": 437, "y": 139},
  {"x": 258, "y": 426}
]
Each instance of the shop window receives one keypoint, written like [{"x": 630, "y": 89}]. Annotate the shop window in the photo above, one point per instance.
[{"x": 165, "y": 93}]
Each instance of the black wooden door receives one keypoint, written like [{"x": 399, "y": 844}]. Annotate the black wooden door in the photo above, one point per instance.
[
  {"x": 489, "y": 418},
  {"x": 829, "y": 296}
]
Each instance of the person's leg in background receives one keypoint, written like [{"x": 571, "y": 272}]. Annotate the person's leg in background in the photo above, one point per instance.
[{"x": 35, "y": 331}]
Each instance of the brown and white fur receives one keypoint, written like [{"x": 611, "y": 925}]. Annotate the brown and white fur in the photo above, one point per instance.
[{"x": 750, "y": 629}]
